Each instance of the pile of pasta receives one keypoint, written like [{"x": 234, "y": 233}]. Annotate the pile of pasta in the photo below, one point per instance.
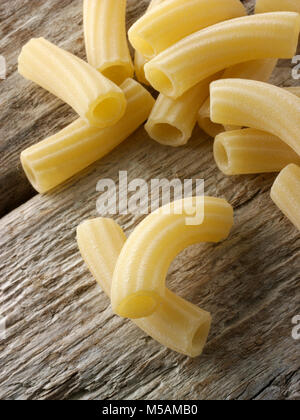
[{"x": 210, "y": 63}]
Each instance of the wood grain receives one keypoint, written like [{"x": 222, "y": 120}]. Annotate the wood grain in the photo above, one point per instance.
[{"x": 62, "y": 340}]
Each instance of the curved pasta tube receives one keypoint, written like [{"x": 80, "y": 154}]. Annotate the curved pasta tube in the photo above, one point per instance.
[
  {"x": 268, "y": 35},
  {"x": 139, "y": 59},
  {"x": 57, "y": 158},
  {"x": 257, "y": 105},
  {"x": 177, "y": 324},
  {"x": 254, "y": 70},
  {"x": 95, "y": 98},
  {"x": 172, "y": 121},
  {"x": 138, "y": 284},
  {"x": 105, "y": 38},
  {"x": 286, "y": 193},
  {"x": 251, "y": 151},
  {"x": 263, "y": 6},
  {"x": 149, "y": 36}
]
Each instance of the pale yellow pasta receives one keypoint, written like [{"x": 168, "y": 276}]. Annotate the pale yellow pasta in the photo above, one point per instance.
[
  {"x": 286, "y": 193},
  {"x": 268, "y": 35},
  {"x": 57, "y": 158},
  {"x": 257, "y": 105},
  {"x": 105, "y": 38},
  {"x": 172, "y": 121},
  {"x": 254, "y": 70},
  {"x": 176, "y": 324},
  {"x": 139, "y": 59},
  {"x": 173, "y": 20},
  {"x": 251, "y": 151},
  {"x": 138, "y": 284},
  {"x": 263, "y": 6},
  {"x": 95, "y": 98}
]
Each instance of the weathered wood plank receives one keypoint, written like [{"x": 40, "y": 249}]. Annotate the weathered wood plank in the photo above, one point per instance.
[{"x": 60, "y": 328}]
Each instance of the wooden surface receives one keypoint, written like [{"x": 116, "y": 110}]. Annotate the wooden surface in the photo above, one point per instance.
[{"x": 62, "y": 340}]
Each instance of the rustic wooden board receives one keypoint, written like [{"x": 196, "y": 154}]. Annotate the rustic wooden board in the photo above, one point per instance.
[{"x": 60, "y": 328}]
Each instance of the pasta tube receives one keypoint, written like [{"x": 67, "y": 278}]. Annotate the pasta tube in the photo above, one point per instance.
[
  {"x": 171, "y": 122},
  {"x": 138, "y": 284},
  {"x": 251, "y": 151},
  {"x": 105, "y": 38},
  {"x": 254, "y": 70},
  {"x": 149, "y": 36},
  {"x": 263, "y": 6},
  {"x": 257, "y": 105},
  {"x": 139, "y": 59},
  {"x": 286, "y": 193},
  {"x": 95, "y": 98},
  {"x": 57, "y": 158},
  {"x": 177, "y": 324},
  {"x": 268, "y": 35}
]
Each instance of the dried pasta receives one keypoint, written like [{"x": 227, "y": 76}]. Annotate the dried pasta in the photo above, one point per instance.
[
  {"x": 149, "y": 36},
  {"x": 172, "y": 121},
  {"x": 139, "y": 59},
  {"x": 95, "y": 98},
  {"x": 286, "y": 193},
  {"x": 105, "y": 38},
  {"x": 57, "y": 158},
  {"x": 254, "y": 70},
  {"x": 139, "y": 278},
  {"x": 251, "y": 151},
  {"x": 257, "y": 105},
  {"x": 177, "y": 324},
  {"x": 268, "y": 35}
]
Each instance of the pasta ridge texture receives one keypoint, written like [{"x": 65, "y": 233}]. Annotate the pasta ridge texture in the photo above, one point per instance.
[
  {"x": 286, "y": 193},
  {"x": 105, "y": 38},
  {"x": 148, "y": 34},
  {"x": 139, "y": 278},
  {"x": 95, "y": 98},
  {"x": 186, "y": 63},
  {"x": 257, "y": 105},
  {"x": 57, "y": 158},
  {"x": 177, "y": 324}
]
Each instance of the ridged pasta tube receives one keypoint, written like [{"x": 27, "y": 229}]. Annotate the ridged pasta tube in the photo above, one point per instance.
[
  {"x": 286, "y": 193},
  {"x": 177, "y": 324},
  {"x": 95, "y": 98},
  {"x": 105, "y": 38},
  {"x": 263, "y": 6},
  {"x": 268, "y": 35},
  {"x": 138, "y": 284},
  {"x": 57, "y": 158},
  {"x": 139, "y": 59},
  {"x": 254, "y": 70},
  {"x": 172, "y": 121},
  {"x": 257, "y": 105},
  {"x": 251, "y": 151},
  {"x": 173, "y": 20}
]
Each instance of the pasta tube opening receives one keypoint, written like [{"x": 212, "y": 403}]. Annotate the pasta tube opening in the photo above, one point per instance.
[
  {"x": 251, "y": 151},
  {"x": 160, "y": 81},
  {"x": 117, "y": 73},
  {"x": 165, "y": 133},
  {"x": 106, "y": 110}
]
